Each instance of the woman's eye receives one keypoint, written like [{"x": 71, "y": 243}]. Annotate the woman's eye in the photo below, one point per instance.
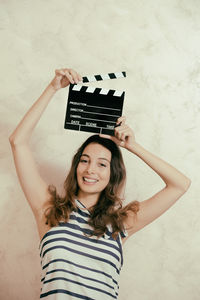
[
  {"x": 102, "y": 165},
  {"x": 83, "y": 161}
]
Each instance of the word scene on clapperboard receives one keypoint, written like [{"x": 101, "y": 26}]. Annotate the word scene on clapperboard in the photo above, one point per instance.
[{"x": 94, "y": 109}]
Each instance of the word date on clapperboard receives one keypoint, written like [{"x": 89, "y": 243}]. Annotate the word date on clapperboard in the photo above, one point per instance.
[{"x": 94, "y": 109}]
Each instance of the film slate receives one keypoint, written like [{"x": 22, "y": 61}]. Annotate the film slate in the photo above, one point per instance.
[{"x": 94, "y": 109}]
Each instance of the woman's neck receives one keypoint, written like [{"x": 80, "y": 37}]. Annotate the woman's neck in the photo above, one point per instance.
[{"x": 88, "y": 200}]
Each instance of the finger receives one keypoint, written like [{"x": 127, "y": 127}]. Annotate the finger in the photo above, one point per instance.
[
  {"x": 80, "y": 77},
  {"x": 118, "y": 124},
  {"x": 68, "y": 75},
  {"x": 118, "y": 134},
  {"x": 122, "y": 143},
  {"x": 118, "y": 138},
  {"x": 119, "y": 130},
  {"x": 123, "y": 136},
  {"x": 74, "y": 75},
  {"x": 105, "y": 136},
  {"x": 123, "y": 133},
  {"x": 121, "y": 127},
  {"x": 59, "y": 72},
  {"x": 121, "y": 120}
]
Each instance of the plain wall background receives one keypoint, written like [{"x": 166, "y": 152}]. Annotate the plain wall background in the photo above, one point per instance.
[{"x": 157, "y": 43}]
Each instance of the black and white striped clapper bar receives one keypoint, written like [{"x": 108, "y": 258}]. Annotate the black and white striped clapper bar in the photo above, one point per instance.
[{"x": 94, "y": 109}]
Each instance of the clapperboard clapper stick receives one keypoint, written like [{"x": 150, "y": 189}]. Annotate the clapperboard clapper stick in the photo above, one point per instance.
[{"x": 94, "y": 109}]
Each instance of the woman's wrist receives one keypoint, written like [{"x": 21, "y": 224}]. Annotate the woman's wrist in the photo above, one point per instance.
[
  {"x": 134, "y": 147},
  {"x": 52, "y": 88}
]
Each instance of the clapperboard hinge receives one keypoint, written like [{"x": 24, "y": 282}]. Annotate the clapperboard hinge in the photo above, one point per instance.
[{"x": 90, "y": 89}]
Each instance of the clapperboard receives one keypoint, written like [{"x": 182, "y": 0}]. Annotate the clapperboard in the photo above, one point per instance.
[{"x": 94, "y": 109}]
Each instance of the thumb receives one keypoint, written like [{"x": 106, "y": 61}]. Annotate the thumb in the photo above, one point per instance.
[{"x": 105, "y": 136}]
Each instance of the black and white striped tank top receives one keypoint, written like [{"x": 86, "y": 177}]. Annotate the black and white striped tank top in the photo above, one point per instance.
[{"x": 76, "y": 266}]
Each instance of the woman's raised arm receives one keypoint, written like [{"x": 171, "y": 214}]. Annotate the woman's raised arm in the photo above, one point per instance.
[
  {"x": 176, "y": 183},
  {"x": 33, "y": 186}
]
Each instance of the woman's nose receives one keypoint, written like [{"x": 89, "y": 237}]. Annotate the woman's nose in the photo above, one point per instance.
[{"x": 91, "y": 169}]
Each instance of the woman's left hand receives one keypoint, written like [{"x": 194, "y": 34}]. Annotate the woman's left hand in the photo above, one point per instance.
[{"x": 124, "y": 135}]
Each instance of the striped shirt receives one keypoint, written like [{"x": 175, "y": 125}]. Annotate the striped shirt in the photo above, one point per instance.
[{"x": 76, "y": 266}]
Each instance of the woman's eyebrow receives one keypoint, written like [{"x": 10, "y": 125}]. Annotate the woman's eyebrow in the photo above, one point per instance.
[
  {"x": 84, "y": 155},
  {"x": 104, "y": 159}
]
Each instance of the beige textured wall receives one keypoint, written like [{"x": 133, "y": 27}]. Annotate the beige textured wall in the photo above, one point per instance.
[{"x": 157, "y": 43}]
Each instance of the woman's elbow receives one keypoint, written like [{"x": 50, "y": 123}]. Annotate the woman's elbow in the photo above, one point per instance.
[
  {"x": 183, "y": 186},
  {"x": 186, "y": 185},
  {"x": 14, "y": 141},
  {"x": 11, "y": 139}
]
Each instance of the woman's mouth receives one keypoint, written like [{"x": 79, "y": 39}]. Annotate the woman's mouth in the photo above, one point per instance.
[{"x": 89, "y": 180}]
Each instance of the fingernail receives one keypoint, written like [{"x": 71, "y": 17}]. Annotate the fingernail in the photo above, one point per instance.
[{"x": 118, "y": 124}]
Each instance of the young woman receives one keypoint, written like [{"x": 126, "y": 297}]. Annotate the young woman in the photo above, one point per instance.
[{"x": 82, "y": 233}]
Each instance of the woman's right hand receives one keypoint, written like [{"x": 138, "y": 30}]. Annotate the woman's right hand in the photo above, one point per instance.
[{"x": 63, "y": 77}]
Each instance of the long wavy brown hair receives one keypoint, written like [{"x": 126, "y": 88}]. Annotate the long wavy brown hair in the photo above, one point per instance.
[{"x": 109, "y": 207}]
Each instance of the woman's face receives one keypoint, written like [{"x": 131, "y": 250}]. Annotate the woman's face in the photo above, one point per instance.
[{"x": 93, "y": 171}]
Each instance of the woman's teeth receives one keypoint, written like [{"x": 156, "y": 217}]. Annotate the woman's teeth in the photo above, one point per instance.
[{"x": 89, "y": 180}]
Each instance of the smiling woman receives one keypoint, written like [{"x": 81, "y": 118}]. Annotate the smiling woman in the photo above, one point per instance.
[
  {"x": 96, "y": 178},
  {"x": 82, "y": 233},
  {"x": 93, "y": 172}
]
